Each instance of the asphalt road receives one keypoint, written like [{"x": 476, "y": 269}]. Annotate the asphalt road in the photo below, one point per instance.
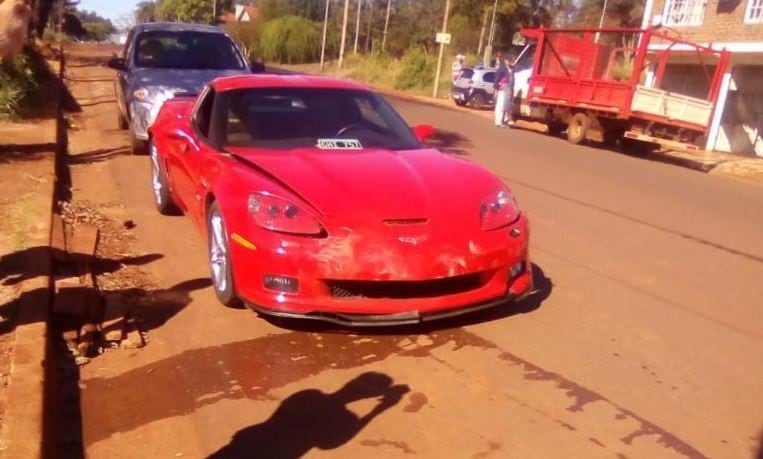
[{"x": 645, "y": 339}]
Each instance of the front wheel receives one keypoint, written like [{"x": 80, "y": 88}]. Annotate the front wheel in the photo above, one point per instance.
[
  {"x": 219, "y": 258},
  {"x": 137, "y": 146}
]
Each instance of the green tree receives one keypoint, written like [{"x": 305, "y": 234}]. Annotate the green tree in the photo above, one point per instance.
[
  {"x": 188, "y": 10},
  {"x": 291, "y": 40},
  {"x": 145, "y": 12}
]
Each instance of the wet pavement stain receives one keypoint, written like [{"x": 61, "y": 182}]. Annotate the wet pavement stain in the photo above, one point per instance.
[
  {"x": 251, "y": 369},
  {"x": 398, "y": 445},
  {"x": 416, "y": 401}
]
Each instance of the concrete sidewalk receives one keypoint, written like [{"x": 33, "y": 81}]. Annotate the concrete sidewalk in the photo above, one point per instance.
[{"x": 27, "y": 172}]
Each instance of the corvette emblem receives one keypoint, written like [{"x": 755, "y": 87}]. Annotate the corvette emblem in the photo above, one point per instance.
[{"x": 413, "y": 240}]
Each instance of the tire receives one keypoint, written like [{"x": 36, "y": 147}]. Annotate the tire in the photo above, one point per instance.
[
  {"x": 219, "y": 258},
  {"x": 637, "y": 147},
  {"x": 577, "y": 128},
  {"x": 460, "y": 103},
  {"x": 163, "y": 200},
  {"x": 611, "y": 136},
  {"x": 122, "y": 120},
  {"x": 555, "y": 129},
  {"x": 478, "y": 100},
  {"x": 138, "y": 146}
]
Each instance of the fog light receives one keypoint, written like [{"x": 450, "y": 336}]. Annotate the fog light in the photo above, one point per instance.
[
  {"x": 280, "y": 283},
  {"x": 516, "y": 269}
]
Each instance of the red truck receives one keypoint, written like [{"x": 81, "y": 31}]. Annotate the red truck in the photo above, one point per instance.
[{"x": 616, "y": 85}]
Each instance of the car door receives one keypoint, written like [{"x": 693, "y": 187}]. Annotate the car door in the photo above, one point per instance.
[{"x": 187, "y": 155}]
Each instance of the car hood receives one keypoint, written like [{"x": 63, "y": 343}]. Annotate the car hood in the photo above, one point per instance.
[
  {"x": 178, "y": 80},
  {"x": 379, "y": 183}
]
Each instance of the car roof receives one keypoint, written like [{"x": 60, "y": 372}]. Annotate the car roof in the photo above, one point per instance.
[
  {"x": 285, "y": 81},
  {"x": 176, "y": 27}
]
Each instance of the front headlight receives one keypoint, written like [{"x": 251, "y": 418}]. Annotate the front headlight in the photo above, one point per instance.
[
  {"x": 279, "y": 214},
  {"x": 498, "y": 209},
  {"x": 141, "y": 94}
]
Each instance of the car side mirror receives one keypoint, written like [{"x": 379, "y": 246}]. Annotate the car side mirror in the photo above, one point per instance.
[
  {"x": 423, "y": 131},
  {"x": 116, "y": 63},
  {"x": 257, "y": 67}
]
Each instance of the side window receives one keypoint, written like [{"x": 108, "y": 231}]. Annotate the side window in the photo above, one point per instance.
[
  {"x": 203, "y": 114},
  {"x": 488, "y": 77},
  {"x": 369, "y": 113}
]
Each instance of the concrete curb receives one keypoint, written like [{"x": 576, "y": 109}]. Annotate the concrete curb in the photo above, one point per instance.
[{"x": 26, "y": 424}]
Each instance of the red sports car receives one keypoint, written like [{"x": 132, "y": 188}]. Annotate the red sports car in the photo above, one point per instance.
[{"x": 318, "y": 201}]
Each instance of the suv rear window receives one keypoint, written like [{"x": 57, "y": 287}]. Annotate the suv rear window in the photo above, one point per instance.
[{"x": 488, "y": 77}]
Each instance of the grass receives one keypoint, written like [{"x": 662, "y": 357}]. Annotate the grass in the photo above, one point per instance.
[
  {"x": 414, "y": 75},
  {"x": 17, "y": 80}
]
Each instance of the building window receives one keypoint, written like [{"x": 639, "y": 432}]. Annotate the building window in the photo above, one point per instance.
[
  {"x": 686, "y": 12},
  {"x": 754, "y": 14}
]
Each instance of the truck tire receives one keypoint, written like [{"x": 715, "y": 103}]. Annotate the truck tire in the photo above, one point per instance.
[
  {"x": 556, "y": 128},
  {"x": 577, "y": 128}
]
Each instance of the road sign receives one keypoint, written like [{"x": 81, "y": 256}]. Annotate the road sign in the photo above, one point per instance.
[{"x": 443, "y": 38}]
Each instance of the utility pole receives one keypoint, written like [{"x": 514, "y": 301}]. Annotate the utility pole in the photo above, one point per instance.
[
  {"x": 344, "y": 32},
  {"x": 489, "y": 47},
  {"x": 601, "y": 20},
  {"x": 482, "y": 33},
  {"x": 370, "y": 24},
  {"x": 325, "y": 29},
  {"x": 357, "y": 27},
  {"x": 386, "y": 26},
  {"x": 214, "y": 11},
  {"x": 442, "y": 50}
]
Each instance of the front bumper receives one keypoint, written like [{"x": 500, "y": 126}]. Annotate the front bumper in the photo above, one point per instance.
[
  {"x": 392, "y": 319},
  {"x": 324, "y": 268}
]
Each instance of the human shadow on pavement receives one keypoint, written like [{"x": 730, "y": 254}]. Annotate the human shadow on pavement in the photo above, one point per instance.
[
  {"x": 14, "y": 269},
  {"x": 252, "y": 369},
  {"x": 313, "y": 419}
]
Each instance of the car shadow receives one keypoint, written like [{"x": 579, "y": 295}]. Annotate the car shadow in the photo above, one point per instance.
[
  {"x": 291, "y": 431},
  {"x": 543, "y": 287}
]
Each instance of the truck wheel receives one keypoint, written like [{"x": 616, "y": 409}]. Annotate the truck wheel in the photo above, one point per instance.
[
  {"x": 460, "y": 103},
  {"x": 577, "y": 128},
  {"x": 637, "y": 147},
  {"x": 555, "y": 129},
  {"x": 478, "y": 100},
  {"x": 611, "y": 136}
]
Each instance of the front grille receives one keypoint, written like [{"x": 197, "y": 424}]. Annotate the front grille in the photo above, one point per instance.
[{"x": 405, "y": 289}]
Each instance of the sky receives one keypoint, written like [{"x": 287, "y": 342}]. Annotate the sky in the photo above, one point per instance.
[{"x": 110, "y": 9}]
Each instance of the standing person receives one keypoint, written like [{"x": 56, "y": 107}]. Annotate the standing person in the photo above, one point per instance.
[
  {"x": 457, "y": 66},
  {"x": 503, "y": 83}
]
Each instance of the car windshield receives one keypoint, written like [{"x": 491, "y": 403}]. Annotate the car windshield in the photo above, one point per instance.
[
  {"x": 186, "y": 50},
  {"x": 286, "y": 118}
]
